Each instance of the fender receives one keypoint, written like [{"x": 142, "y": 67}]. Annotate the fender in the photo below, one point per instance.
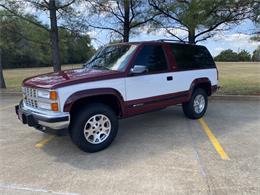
[
  {"x": 93, "y": 92},
  {"x": 203, "y": 80}
]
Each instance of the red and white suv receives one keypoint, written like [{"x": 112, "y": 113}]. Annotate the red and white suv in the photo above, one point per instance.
[{"x": 120, "y": 80}]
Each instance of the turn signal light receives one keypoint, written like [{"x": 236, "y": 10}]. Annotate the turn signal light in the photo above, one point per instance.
[
  {"x": 55, "y": 106},
  {"x": 53, "y": 95}
]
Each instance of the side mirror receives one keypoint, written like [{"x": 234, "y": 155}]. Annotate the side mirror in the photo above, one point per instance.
[{"x": 138, "y": 69}]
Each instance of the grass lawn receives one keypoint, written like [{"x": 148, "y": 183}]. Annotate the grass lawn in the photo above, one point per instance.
[
  {"x": 15, "y": 77},
  {"x": 236, "y": 78},
  {"x": 239, "y": 78}
]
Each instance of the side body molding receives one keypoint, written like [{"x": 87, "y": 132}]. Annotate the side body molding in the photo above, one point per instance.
[{"x": 94, "y": 92}]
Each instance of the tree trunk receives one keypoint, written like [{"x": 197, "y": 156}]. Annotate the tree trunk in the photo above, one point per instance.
[
  {"x": 126, "y": 21},
  {"x": 2, "y": 80},
  {"x": 54, "y": 37},
  {"x": 192, "y": 35}
]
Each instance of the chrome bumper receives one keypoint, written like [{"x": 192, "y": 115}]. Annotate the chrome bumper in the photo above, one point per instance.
[{"x": 44, "y": 121}]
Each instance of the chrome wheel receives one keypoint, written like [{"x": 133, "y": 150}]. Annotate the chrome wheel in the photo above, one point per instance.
[
  {"x": 97, "y": 129},
  {"x": 199, "y": 103}
]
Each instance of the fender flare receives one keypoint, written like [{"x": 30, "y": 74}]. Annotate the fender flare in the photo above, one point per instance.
[
  {"x": 195, "y": 82},
  {"x": 93, "y": 92}
]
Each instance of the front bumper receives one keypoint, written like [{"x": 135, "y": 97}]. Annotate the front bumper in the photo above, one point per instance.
[{"x": 50, "y": 122}]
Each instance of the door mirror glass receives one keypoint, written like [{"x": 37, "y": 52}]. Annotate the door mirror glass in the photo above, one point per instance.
[{"x": 138, "y": 69}]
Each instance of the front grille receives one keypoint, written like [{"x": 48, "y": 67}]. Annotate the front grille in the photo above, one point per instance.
[
  {"x": 30, "y": 96},
  {"x": 30, "y": 92}
]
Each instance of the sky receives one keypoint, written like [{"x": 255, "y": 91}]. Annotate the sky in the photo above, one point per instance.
[{"x": 236, "y": 38}]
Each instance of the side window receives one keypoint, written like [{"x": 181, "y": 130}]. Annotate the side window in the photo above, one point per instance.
[
  {"x": 192, "y": 57},
  {"x": 152, "y": 56},
  {"x": 202, "y": 58}
]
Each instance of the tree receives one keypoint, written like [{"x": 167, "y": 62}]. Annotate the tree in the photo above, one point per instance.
[
  {"x": 244, "y": 56},
  {"x": 199, "y": 19},
  {"x": 256, "y": 19},
  {"x": 121, "y": 17},
  {"x": 23, "y": 45},
  {"x": 227, "y": 56},
  {"x": 256, "y": 55},
  {"x": 255, "y": 38},
  {"x": 50, "y": 6},
  {"x": 75, "y": 47},
  {"x": 27, "y": 46},
  {"x": 2, "y": 80}
]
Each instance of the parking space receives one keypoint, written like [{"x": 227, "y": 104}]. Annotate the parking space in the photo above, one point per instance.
[{"x": 156, "y": 153}]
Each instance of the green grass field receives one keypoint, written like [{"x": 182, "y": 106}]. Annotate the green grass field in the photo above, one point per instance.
[
  {"x": 239, "y": 78},
  {"x": 236, "y": 78},
  {"x": 14, "y": 77}
]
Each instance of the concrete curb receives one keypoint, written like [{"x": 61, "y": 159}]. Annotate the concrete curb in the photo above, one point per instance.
[{"x": 235, "y": 97}]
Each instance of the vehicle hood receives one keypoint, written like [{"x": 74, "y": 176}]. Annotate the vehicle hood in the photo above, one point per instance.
[{"x": 69, "y": 77}]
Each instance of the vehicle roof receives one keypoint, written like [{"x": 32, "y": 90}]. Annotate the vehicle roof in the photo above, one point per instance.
[{"x": 160, "y": 41}]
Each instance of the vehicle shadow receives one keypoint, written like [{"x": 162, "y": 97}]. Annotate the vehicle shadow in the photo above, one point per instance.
[
  {"x": 140, "y": 138},
  {"x": 156, "y": 135}
]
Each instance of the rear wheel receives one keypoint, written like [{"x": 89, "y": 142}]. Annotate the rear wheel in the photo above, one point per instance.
[
  {"x": 197, "y": 105},
  {"x": 94, "y": 127}
]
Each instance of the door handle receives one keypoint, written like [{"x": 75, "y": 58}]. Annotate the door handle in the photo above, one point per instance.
[{"x": 169, "y": 78}]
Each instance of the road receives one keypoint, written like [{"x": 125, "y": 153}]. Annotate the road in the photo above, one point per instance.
[{"x": 156, "y": 153}]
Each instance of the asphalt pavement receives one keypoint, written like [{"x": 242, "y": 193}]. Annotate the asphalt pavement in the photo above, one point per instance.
[{"x": 160, "y": 152}]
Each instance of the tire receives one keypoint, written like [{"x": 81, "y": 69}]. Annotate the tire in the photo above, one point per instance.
[
  {"x": 195, "y": 112},
  {"x": 94, "y": 127}
]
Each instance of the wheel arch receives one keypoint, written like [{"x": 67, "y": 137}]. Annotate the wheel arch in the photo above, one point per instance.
[
  {"x": 203, "y": 83},
  {"x": 108, "y": 96}
]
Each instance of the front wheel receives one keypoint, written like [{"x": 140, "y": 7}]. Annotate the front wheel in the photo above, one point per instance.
[
  {"x": 94, "y": 127},
  {"x": 197, "y": 106}
]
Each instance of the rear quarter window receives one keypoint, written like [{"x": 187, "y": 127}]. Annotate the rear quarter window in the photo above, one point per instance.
[{"x": 189, "y": 57}]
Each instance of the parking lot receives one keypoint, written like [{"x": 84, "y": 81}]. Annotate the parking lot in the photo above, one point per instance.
[{"x": 156, "y": 153}]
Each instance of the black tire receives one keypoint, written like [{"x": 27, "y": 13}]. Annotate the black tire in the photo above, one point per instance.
[
  {"x": 188, "y": 107},
  {"x": 82, "y": 118}
]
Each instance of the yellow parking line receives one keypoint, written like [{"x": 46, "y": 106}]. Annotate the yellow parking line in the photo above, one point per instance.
[
  {"x": 9, "y": 106},
  {"x": 44, "y": 141},
  {"x": 213, "y": 140}
]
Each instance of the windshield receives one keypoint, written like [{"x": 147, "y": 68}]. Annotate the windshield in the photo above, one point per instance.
[{"x": 114, "y": 57}]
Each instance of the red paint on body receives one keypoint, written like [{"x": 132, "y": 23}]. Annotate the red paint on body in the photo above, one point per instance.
[{"x": 70, "y": 77}]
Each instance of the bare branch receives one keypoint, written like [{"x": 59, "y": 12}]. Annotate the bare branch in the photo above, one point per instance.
[
  {"x": 168, "y": 31},
  {"x": 106, "y": 28},
  {"x": 156, "y": 7},
  {"x": 66, "y": 5},
  {"x": 119, "y": 8}
]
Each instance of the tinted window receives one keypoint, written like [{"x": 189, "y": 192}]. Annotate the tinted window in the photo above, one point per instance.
[
  {"x": 192, "y": 57},
  {"x": 152, "y": 56}
]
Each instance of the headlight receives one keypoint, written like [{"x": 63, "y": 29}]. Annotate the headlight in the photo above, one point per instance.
[
  {"x": 44, "y": 105},
  {"x": 50, "y": 95},
  {"x": 43, "y": 94},
  {"x": 47, "y": 94},
  {"x": 48, "y": 106}
]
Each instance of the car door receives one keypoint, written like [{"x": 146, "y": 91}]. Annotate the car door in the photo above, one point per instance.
[{"x": 149, "y": 86}]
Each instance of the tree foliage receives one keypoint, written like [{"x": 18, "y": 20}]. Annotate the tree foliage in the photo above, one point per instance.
[
  {"x": 121, "y": 17},
  {"x": 200, "y": 19},
  {"x": 256, "y": 55},
  {"x": 23, "y": 45},
  {"x": 244, "y": 56},
  {"x": 231, "y": 56},
  {"x": 49, "y": 7}
]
